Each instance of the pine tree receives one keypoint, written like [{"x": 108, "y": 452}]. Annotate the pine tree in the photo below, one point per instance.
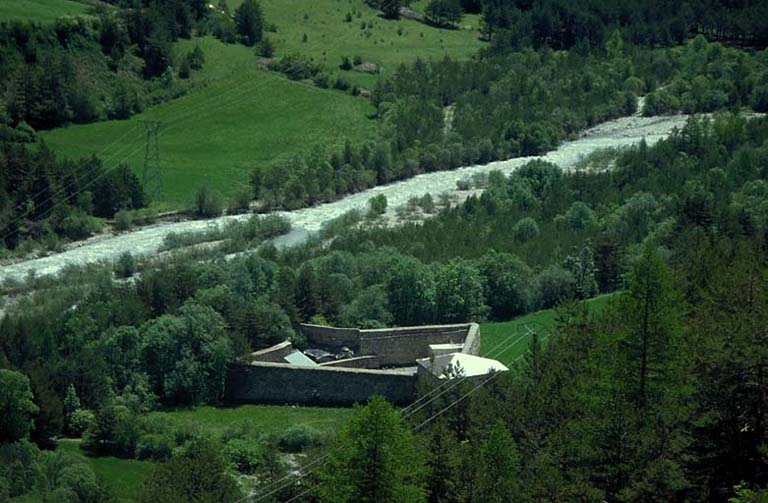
[
  {"x": 249, "y": 22},
  {"x": 376, "y": 460}
]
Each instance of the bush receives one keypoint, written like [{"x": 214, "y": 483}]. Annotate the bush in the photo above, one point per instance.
[
  {"x": 554, "y": 285},
  {"x": 78, "y": 226},
  {"x": 243, "y": 454},
  {"x": 346, "y": 64},
  {"x": 296, "y": 67},
  {"x": 266, "y": 48},
  {"x": 298, "y": 438},
  {"x": 341, "y": 84},
  {"x": 377, "y": 206},
  {"x": 125, "y": 267},
  {"x": 155, "y": 447},
  {"x": 241, "y": 202},
  {"x": 123, "y": 221},
  {"x": 80, "y": 420},
  {"x": 580, "y": 217},
  {"x": 525, "y": 229},
  {"x": 207, "y": 203}
]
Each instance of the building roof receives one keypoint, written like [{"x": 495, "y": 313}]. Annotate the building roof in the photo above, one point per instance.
[
  {"x": 299, "y": 358},
  {"x": 465, "y": 364}
]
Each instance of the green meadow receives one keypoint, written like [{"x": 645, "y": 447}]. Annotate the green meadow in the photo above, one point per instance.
[
  {"x": 39, "y": 11},
  {"x": 269, "y": 419},
  {"x": 239, "y": 116},
  {"x": 384, "y": 42},
  {"x": 123, "y": 477},
  {"x": 508, "y": 341}
]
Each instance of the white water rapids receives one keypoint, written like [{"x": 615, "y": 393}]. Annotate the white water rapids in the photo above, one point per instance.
[{"x": 147, "y": 240}]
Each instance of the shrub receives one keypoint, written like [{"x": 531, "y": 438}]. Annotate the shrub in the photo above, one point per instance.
[
  {"x": 298, "y": 438},
  {"x": 207, "y": 202},
  {"x": 580, "y": 216},
  {"x": 241, "y": 201},
  {"x": 296, "y": 67},
  {"x": 125, "y": 267},
  {"x": 377, "y": 206},
  {"x": 346, "y": 64},
  {"x": 553, "y": 285},
  {"x": 341, "y": 84},
  {"x": 266, "y": 48},
  {"x": 123, "y": 221},
  {"x": 80, "y": 420},
  {"x": 78, "y": 226},
  {"x": 525, "y": 229},
  {"x": 155, "y": 447},
  {"x": 243, "y": 454}
]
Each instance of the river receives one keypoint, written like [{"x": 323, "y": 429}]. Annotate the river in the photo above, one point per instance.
[{"x": 147, "y": 240}]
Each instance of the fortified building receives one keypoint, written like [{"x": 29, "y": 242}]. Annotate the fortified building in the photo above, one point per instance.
[{"x": 348, "y": 365}]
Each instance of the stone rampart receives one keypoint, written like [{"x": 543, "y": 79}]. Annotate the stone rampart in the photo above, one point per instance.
[
  {"x": 331, "y": 337},
  {"x": 276, "y": 353},
  {"x": 472, "y": 341},
  {"x": 282, "y": 383},
  {"x": 356, "y": 362}
]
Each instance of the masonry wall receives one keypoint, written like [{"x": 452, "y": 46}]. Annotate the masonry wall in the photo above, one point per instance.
[
  {"x": 282, "y": 383},
  {"x": 330, "y": 337},
  {"x": 405, "y": 349},
  {"x": 276, "y": 353},
  {"x": 395, "y": 346}
]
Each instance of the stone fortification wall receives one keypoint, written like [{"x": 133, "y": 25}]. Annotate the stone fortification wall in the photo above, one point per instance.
[
  {"x": 330, "y": 337},
  {"x": 472, "y": 341},
  {"x": 281, "y": 383},
  {"x": 275, "y": 353},
  {"x": 403, "y": 349},
  {"x": 357, "y": 362},
  {"x": 394, "y": 346}
]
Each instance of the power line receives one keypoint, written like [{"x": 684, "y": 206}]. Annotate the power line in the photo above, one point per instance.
[
  {"x": 453, "y": 383},
  {"x": 153, "y": 175}
]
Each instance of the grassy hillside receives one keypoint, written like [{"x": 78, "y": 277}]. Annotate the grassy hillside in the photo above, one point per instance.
[
  {"x": 384, "y": 42},
  {"x": 238, "y": 117},
  {"x": 42, "y": 11},
  {"x": 241, "y": 116},
  {"x": 497, "y": 338}
]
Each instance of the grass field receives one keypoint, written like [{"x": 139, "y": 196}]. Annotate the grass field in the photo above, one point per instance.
[
  {"x": 122, "y": 476},
  {"x": 497, "y": 338},
  {"x": 384, "y": 42},
  {"x": 270, "y": 419},
  {"x": 239, "y": 117},
  {"x": 41, "y": 11}
]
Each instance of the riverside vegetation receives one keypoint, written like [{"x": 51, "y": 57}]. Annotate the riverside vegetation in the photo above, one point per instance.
[{"x": 655, "y": 394}]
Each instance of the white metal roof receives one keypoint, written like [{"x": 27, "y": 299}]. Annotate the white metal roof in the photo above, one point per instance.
[{"x": 468, "y": 365}]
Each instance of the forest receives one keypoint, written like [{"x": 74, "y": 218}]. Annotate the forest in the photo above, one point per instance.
[
  {"x": 676, "y": 228},
  {"x": 659, "y": 397}
]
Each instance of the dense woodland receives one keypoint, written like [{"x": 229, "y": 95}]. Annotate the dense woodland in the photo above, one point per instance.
[
  {"x": 678, "y": 228},
  {"x": 662, "y": 397}
]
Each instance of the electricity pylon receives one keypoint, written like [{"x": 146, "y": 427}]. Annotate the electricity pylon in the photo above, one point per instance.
[{"x": 153, "y": 174}]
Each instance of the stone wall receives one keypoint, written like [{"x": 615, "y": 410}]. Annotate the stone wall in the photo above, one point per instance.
[
  {"x": 472, "y": 342},
  {"x": 276, "y": 353},
  {"x": 404, "y": 349},
  {"x": 357, "y": 362},
  {"x": 330, "y": 337},
  {"x": 282, "y": 383},
  {"x": 394, "y": 346}
]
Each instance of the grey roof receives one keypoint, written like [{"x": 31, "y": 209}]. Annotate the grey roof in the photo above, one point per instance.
[{"x": 299, "y": 358}]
